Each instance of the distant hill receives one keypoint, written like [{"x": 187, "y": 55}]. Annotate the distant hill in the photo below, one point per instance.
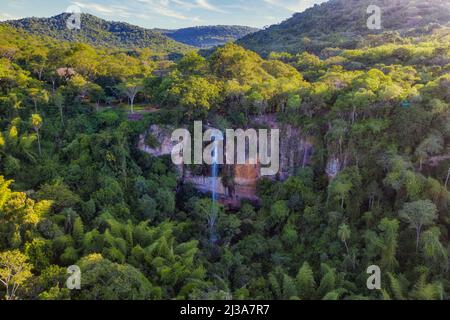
[
  {"x": 99, "y": 32},
  {"x": 104, "y": 33},
  {"x": 343, "y": 23},
  {"x": 209, "y": 36}
]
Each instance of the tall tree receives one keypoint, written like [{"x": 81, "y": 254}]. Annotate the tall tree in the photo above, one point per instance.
[
  {"x": 344, "y": 234},
  {"x": 78, "y": 231},
  {"x": 58, "y": 100},
  {"x": 96, "y": 94},
  {"x": 131, "y": 88},
  {"x": 433, "y": 250},
  {"x": 418, "y": 215},
  {"x": 36, "y": 122},
  {"x": 389, "y": 229},
  {"x": 306, "y": 285},
  {"x": 38, "y": 95},
  {"x": 39, "y": 61},
  {"x": 14, "y": 271},
  {"x": 430, "y": 146},
  {"x": 340, "y": 187}
]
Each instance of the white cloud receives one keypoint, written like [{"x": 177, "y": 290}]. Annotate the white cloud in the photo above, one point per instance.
[
  {"x": 160, "y": 7},
  {"x": 106, "y": 10},
  {"x": 169, "y": 13},
  {"x": 196, "y": 4},
  {"x": 204, "y": 4},
  {"x": 6, "y": 16},
  {"x": 293, "y": 6},
  {"x": 144, "y": 9},
  {"x": 184, "y": 4},
  {"x": 166, "y": 8}
]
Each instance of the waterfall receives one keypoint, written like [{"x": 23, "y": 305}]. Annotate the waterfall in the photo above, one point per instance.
[{"x": 214, "y": 207}]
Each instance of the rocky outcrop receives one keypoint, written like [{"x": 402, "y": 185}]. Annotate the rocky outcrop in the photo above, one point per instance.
[
  {"x": 296, "y": 149},
  {"x": 161, "y": 145},
  {"x": 204, "y": 184},
  {"x": 295, "y": 152},
  {"x": 333, "y": 168}
]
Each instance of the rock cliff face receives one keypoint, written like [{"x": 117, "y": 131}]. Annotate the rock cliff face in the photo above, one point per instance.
[
  {"x": 295, "y": 148},
  {"x": 162, "y": 144},
  {"x": 237, "y": 182},
  {"x": 333, "y": 168}
]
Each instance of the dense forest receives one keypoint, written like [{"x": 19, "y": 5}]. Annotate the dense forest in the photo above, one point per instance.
[
  {"x": 208, "y": 36},
  {"x": 101, "y": 33},
  {"x": 110, "y": 34},
  {"x": 342, "y": 23},
  {"x": 76, "y": 190}
]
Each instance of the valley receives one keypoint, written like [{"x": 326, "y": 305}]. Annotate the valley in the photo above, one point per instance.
[{"x": 88, "y": 181}]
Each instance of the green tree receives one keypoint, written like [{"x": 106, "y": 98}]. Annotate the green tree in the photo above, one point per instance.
[
  {"x": 78, "y": 231},
  {"x": 19, "y": 215},
  {"x": 36, "y": 122},
  {"x": 192, "y": 64},
  {"x": 430, "y": 146},
  {"x": 85, "y": 60},
  {"x": 306, "y": 285},
  {"x": 38, "y": 95},
  {"x": 418, "y": 215},
  {"x": 58, "y": 100},
  {"x": 39, "y": 253},
  {"x": 279, "y": 212},
  {"x": 105, "y": 280},
  {"x": 341, "y": 187},
  {"x": 389, "y": 243},
  {"x": 131, "y": 88},
  {"x": 14, "y": 271},
  {"x": 39, "y": 61},
  {"x": 344, "y": 234},
  {"x": 96, "y": 94},
  {"x": 328, "y": 281},
  {"x": 433, "y": 250},
  {"x": 195, "y": 94}
]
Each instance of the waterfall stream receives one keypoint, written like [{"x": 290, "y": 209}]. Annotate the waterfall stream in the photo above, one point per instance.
[{"x": 214, "y": 207}]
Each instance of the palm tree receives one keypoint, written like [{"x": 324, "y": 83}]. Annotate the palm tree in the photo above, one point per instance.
[
  {"x": 344, "y": 234},
  {"x": 38, "y": 95},
  {"x": 36, "y": 121},
  {"x": 422, "y": 289}
]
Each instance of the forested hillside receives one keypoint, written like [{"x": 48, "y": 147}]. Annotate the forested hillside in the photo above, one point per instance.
[
  {"x": 208, "y": 36},
  {"x": 343, "y": 24},
  {"x": 99, "y": 32},
  {"x": 76, "y": 190}
]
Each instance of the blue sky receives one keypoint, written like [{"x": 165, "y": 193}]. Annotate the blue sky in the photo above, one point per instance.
[{"x": 165, "y": 13}]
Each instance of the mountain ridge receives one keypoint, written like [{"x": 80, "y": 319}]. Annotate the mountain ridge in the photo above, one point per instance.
[
  {"x": 209, "y": 36},
  {"x": 343, "y": 23},
  {"x": 100, "y": 32}
]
